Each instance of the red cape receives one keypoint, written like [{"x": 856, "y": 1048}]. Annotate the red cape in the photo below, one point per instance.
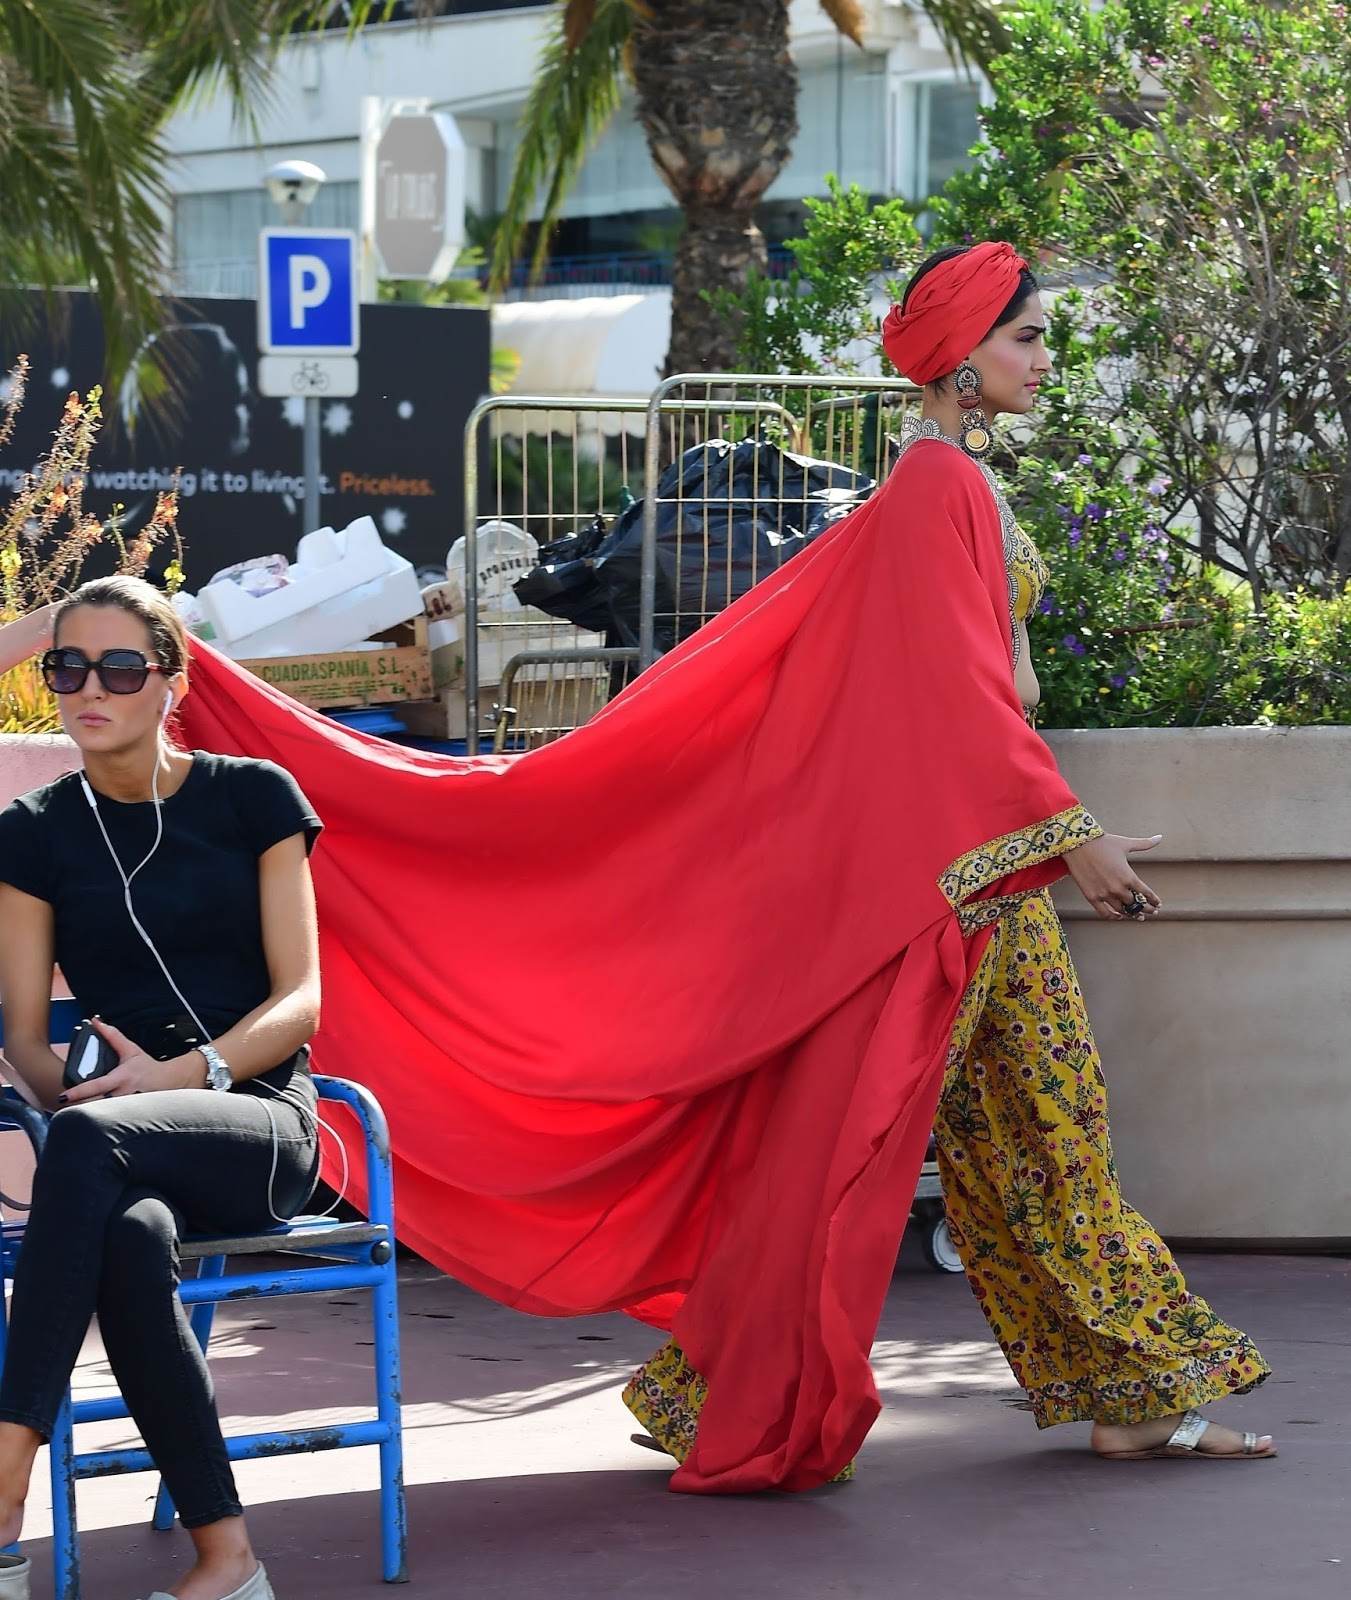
[{"x": 659, "y": 1013}]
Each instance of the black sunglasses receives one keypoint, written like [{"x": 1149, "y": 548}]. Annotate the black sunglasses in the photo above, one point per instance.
[{"x": 120, "y": 671}]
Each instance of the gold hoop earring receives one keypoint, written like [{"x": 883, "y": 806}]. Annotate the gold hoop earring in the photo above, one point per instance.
[{"x": 977, "y": 439}]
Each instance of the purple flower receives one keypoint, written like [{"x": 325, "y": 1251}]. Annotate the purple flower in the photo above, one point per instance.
[
  {"x": 1076, "y": 536},
  {"x": 1119, "y": 554},
  {"x": 1073, "y": 643},
  {"x": 1084, "y": 461},
  {"x": 1045, "y": 606},
  {"x": 1094, "y": 512},
  {"x": 1167, "y": 612},
  {"x": 1117, "y": 681}
]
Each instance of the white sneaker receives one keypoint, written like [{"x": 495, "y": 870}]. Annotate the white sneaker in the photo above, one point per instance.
[
  {"x": 257, "y": 1588},
  {"x": 14, "y": 1572}
]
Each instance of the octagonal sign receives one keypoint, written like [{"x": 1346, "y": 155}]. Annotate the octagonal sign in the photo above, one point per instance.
[{"x": 419, "y": 195}]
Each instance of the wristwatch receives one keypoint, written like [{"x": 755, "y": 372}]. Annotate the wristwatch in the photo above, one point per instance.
[{"x": 218, "y": 1074}]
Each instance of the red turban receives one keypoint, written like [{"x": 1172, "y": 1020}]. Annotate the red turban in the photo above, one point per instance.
[{"x": 951, "y": 310}]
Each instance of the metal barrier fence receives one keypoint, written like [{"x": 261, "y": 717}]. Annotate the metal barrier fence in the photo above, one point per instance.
[{"x": 716, "y": 462}]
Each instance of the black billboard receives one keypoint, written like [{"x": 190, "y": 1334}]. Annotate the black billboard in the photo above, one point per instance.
[{"x": 394, "y": 451}]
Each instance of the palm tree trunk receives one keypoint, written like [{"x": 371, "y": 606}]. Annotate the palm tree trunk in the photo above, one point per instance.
[
  {"x": 717, "y": 98},
  {"x": 717, "y": 249}
]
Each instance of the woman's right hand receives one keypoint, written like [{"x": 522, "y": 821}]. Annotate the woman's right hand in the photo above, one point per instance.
[{"x": 1103, "y": 874}]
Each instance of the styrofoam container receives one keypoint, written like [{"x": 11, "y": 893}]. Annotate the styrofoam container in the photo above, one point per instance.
[
  {"x": 345, "y": 588},
  {"x": 327, "y": 564},
  {"x": 503, "y": 553}
]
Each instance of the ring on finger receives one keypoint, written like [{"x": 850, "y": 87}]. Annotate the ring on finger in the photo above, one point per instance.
[{"x": 1136, "y": 906}]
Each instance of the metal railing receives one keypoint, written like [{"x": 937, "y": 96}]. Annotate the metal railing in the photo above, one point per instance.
[{"x": 734, "y": 473}]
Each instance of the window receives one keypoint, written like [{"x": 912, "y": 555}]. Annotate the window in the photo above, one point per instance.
[
  {"x": 950, "y": 114},
  {"x": 216, "y": 235},
  {"x": 937, "y": 130}
]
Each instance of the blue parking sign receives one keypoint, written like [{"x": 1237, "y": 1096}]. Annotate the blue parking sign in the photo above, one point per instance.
[{"x": 307, "y": 291}]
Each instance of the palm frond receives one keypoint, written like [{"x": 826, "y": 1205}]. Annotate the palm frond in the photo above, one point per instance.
[
  {"x": 847, "y": 15},
  {"x": 575, "y": 93},
  {"x": 974, "y": 32},
  {"x": 80, "y": 167},
  {"x": 578, "y": 15}
]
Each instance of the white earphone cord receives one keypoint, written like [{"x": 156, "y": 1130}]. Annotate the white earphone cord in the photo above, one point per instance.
[{"x": 127, "y": 880}]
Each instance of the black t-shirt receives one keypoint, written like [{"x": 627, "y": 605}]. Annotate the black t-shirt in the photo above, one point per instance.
[{"x": 197, "y": 897}]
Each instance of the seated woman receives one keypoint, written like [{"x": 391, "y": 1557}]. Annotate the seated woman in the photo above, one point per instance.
[{"x": 174, "y": 891}]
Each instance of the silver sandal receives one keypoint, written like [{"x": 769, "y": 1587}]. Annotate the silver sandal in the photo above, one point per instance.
[{"x": 1182, "y": 1443}]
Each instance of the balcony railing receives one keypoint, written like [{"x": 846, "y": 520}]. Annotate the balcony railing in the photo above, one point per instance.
[
  {"x": 623, "y": 272},
  {"x": 564, "y": 278}
]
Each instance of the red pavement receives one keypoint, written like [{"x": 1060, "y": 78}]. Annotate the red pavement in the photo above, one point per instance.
[{"x": 523, "y": 1482}]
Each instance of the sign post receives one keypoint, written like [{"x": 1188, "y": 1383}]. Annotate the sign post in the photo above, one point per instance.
[{"x": 309, "y": 328}]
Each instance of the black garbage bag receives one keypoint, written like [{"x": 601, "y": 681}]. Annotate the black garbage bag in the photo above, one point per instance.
[
  {"x": 563, "y": 582},
  {"x": 727, "y": 516}
]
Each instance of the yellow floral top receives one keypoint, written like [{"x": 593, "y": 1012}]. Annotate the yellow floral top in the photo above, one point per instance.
[{"x": 1028, "y": 574}]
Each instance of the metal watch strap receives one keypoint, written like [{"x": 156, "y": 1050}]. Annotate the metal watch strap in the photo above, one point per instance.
[{"x": 218, "y": 1074}]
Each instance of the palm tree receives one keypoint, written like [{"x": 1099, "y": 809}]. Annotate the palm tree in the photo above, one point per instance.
[
  {"x": 85, "y": 89},
  {"x": 716, "y": 93}
]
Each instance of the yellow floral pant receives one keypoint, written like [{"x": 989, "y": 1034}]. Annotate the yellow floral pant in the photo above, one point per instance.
[{"x": 1088, "y": 1306}]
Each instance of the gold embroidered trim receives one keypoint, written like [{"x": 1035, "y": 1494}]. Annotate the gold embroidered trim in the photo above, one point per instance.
[{"x": 1028, "y": 847}]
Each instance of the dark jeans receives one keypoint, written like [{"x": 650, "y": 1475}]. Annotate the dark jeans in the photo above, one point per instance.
[{"x": 116, "y": 1184}]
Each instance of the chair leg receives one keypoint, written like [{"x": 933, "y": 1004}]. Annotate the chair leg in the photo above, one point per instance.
[
  {"x": 201, "y": 1318},
  {"x": 389, "y": 1396},
  {"x": 65, "y": 1537}
]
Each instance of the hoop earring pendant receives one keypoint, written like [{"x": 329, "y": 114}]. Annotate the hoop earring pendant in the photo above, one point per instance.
[{"x": 977, "y": 439}]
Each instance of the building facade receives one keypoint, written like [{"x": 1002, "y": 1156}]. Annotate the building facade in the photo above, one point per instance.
[{"x": 896, "y": 117}]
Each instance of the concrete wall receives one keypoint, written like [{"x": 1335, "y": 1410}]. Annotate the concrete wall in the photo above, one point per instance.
[
  {"x": 1223, "y": 1024},
  {"x": 27, "y": 761}
]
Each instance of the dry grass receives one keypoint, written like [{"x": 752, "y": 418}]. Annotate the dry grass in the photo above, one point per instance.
[{"x": 47, "y": 535}]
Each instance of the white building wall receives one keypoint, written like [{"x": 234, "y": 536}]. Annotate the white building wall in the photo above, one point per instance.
[{"x": 861, "y": 113}]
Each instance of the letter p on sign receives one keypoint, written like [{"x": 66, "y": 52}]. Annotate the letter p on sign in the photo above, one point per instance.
[{"x": 310, "y": 284}]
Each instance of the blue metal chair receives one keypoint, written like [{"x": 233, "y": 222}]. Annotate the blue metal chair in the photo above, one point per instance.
[{"x": 358, "y": 1255}]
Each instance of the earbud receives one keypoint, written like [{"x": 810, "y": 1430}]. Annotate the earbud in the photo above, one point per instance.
[{"x": 168, "y": 708}]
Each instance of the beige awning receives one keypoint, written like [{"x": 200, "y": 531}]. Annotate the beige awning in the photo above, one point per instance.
[{"x": 612, "y": 345}]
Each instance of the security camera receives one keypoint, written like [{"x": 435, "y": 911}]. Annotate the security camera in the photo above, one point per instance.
[{"x": 293, "y": 184}]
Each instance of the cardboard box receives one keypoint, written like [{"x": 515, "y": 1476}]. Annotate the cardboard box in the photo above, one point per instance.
[{"x": 397, "y": 670}]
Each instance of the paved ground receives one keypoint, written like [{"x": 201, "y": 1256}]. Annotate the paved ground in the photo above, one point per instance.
[{"x": 523, "y": 1482}]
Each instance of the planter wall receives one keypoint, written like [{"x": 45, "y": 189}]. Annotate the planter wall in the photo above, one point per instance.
[
  {"x": 1225, "y": 1024},
  {"x": 27, "y": 761}
]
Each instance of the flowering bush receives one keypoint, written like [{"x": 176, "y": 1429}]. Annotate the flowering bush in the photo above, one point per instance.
[
  {"x": 1184, "y": 171},
  {"x": 46, "y": 537},
  {"x": 1188, "y": 164}
]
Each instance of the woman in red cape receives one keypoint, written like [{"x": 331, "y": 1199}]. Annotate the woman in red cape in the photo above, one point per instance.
[{"x": 661, "y": 1013}]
